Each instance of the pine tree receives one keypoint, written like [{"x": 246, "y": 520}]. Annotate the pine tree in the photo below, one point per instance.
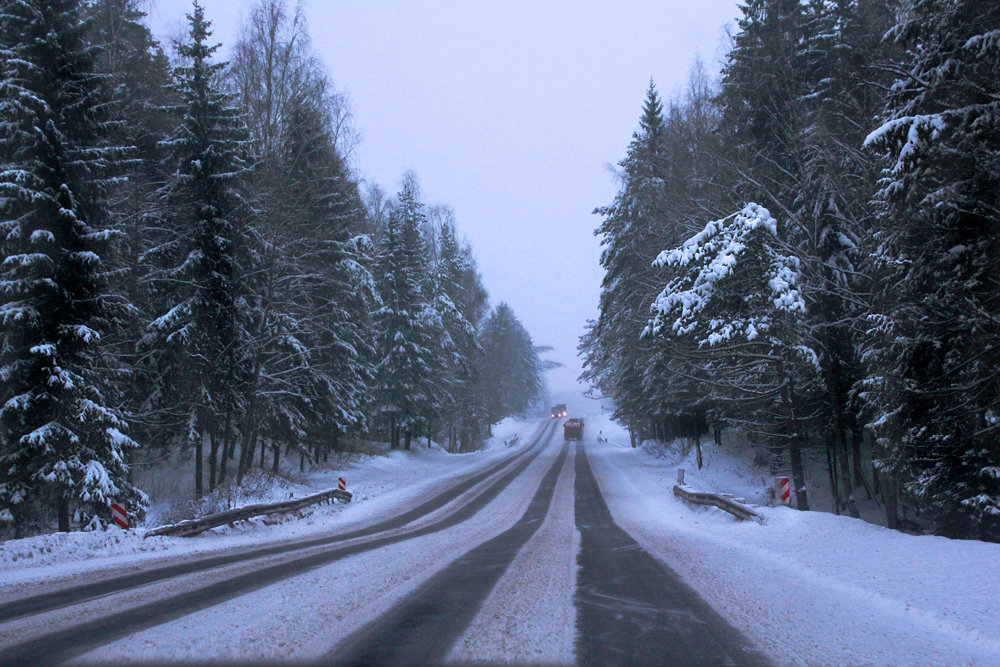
[
  {"x": 511, "y": 371},
  {"x": 138, "y": 74},
  {"x": 62, "y": 443},
  {"x": 459, "y": 304},
  {"x": 618, "y": 357},
  {"x": 737, "y": 295},
  {"x": 934, "y": 384},
  {"x": 405, "y": 357},
  {"x": 200, "y": 335}
]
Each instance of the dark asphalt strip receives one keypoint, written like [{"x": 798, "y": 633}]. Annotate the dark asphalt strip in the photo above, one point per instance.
[
  {"x": 77, "y": 594},
  {"x": 631, "y": 608},
  {"x": 422, "y": 629},
  {"x": 62, "y": 645}
]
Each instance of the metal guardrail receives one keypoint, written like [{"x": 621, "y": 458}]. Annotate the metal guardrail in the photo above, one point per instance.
[
  {"x": 197, "y": 526},
  {"x": 737, "y": 509}
]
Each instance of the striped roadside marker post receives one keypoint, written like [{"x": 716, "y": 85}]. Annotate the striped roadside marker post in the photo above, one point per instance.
[
  {"x": 343, "y": 484},
  {"x": 782, "y": 490},
  {"x": 119, "y": 516}
]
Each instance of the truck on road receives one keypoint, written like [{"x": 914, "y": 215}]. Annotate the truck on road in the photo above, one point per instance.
[
  {"x": 573, "y": 429},
  {"x": 558, "y": 410}
]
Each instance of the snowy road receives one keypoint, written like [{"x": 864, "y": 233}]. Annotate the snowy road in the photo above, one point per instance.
[{"x": 520, "y": 562}]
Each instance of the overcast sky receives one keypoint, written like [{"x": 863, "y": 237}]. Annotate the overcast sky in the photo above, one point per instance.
[{"x": 511, "y": 112}]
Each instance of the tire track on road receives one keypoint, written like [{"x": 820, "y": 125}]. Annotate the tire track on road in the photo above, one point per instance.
[
  {"x": 423, "y": 627},
  {"x": 634, "y": 610},
  {"x": 65, "y": 597},
  {"x": 62, "y": 645}
]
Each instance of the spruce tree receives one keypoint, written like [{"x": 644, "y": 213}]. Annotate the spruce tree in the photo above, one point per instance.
[
  {"x": 619, "y": 359},
  {"x": 62, "y": 442},
  {"x": 207, "y": 246},
  {"x": 511, "y": 370},
  {"x": 138, "y": 74},
  {"x": 405, "y": 357},
  {"x": 936, "y": 349},
  {"x": 328, "y": 260},
  {"x": 459, "y": 302},
  {"x": 738, "y": 296}
]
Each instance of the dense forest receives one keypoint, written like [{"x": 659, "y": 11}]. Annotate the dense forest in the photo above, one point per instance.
[
  {"x": 808, "y": 250},
  {"x": 193, "y": 271}
]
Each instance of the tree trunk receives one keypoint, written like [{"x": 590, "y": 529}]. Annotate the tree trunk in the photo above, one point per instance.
[
  {"x": 199, "y": 490},
  {"x": 213, "y": 451},
  {"x": 870, "y": 445},
  {"x": 794, "y": 448},
  {"x": 891, "y": 503},
  {"x": 845, "y": 476},
  {"x": 62, "y": 512},
  {"x": 247, "y": 451},
  {"x": 277, "y": 459},
  {"x": 227, "y": 446},
  {"x": 409, "y": 436},
  {"x": 836, "y": 399},
  {"x": 831, "y": 465},
  {"x": 250, "y": 433},
  {"x": 859, "y": 473},
  {"x": 697, "y": 447},
  {"x": 798, "y": 476}
]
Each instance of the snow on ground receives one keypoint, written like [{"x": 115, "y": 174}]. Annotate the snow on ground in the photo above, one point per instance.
[
  {"x": 807, "y": 587},
  {"x": 305, "y": 616},
  {"x": 529, "y": 618},
  {"x": 379, "y": 483}
]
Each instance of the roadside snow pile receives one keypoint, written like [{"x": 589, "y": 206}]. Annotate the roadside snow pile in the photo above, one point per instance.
[
  {"x": 808, "y": 587},
  {"x": 47, "y": 549},
  {"x": 510, "y": 432},
  {"x": 722, "y": 472},
  {"x": 380, "y": 484}
]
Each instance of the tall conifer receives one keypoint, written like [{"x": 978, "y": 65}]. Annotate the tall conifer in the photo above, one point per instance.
[
  {"x": 61, "y": 445},
  {"x": 200, "y": 333}
]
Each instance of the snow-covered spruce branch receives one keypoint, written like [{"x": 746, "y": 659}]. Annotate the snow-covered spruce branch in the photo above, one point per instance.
[{"x": 711, "y": 271}]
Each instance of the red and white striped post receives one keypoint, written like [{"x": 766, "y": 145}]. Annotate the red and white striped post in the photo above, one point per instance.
[
  {"x": 119, "y": 516},
  {"x": 343, "y": 484},
  {"x": 782, "y": 490}
]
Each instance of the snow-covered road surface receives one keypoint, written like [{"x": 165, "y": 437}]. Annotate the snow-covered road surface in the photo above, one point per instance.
[
  {"x": 174, "y": 598},
  {"x": 485, "y": 573},
  {"x": 546, "y": 553}
]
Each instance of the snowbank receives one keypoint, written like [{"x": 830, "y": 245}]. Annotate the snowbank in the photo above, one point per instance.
[
  {"x": 379, "y": 484},
  {"x": 808, "y": 587}
]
